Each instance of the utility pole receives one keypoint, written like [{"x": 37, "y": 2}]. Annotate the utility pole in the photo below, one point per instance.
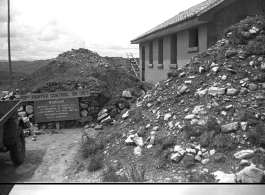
[{"x": 9, "y": 51}]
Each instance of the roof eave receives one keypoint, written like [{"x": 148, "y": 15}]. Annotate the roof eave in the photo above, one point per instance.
[{"x": 169, "y": 30}]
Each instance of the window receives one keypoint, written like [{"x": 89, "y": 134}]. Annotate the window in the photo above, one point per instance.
[
  {"x": 173, "y": 58},
  {"x": 150, "y": 52},
  {"x": 160, "y": 51},
  {"x": 193, "y": 38}
]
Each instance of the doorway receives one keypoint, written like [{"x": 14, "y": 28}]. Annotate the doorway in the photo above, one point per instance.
[{"x": 143, "y": 63}]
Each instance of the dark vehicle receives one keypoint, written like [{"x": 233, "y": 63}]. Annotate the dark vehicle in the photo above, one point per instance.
[
  {"x": 5, "y": 189},
  {"x": 11, "y": 131}
]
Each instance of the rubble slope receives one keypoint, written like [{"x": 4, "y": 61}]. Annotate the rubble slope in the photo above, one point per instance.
[{"x": 206, "y": 117}]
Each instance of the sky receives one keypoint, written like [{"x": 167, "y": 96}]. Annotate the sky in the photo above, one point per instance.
[
  {"x": 42, "y": 29},
  {"x": 27, "y": 189}
]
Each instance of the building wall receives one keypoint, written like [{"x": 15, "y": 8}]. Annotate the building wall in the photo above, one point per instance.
[
  {"x": 155, "y": 74},
  {"x": 232, "y": 14},
  {"x": 183, "y": 45}
]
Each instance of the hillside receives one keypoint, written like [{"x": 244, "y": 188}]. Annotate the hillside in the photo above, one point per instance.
[
  {"x": 20, "y": 70},
  {"x": 26, "y": 67}
]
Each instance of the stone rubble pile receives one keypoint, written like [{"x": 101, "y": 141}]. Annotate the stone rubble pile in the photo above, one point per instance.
[
  {"x": 216, "y": 103},
  {"x": 82, "y": 69}
]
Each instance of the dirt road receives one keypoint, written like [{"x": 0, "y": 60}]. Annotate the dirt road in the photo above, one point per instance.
[{"x": 46, "y": 160}]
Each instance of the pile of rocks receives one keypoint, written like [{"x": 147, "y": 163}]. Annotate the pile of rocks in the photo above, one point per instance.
[
  {"x": 9, "y": 95},
  {"x": 122, "y": 105},
  {"x": 214, "y": 104},
  {"x": 82, "y": 69}
]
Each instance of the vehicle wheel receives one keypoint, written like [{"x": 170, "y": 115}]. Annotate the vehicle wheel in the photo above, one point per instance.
[{"x": 17, "y": 150}]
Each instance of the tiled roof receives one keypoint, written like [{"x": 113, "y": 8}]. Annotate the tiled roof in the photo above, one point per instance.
[{"x": 192, "y": 12}]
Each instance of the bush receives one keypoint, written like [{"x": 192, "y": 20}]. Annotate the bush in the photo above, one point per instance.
[
  {"x": 96, "y": 163},
  {"x": 257, "y": 135},
  {"x": 223, "y": 141},
  {"x": 133, "y": 174},
  {"x": 90, "y": 146}
]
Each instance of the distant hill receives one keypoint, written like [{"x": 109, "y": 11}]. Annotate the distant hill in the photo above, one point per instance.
[
  {"x": 26, "y": 67},
  {"x": 20, "y": 70}
]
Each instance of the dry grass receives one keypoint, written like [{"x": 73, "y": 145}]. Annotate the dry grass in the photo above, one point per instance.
[
  {"x": 134, "y": 174},
  {"x": 96, "y": 163}
]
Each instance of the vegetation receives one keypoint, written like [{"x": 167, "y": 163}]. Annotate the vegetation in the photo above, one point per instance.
[
  {"x": 96, "y": 163},
  {"x": 132, "y": 174}
]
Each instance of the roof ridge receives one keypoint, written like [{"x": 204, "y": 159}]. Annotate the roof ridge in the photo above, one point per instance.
[{"x": 182, "y": 16}]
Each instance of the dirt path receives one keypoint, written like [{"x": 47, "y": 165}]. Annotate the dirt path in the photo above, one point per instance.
[{"x": 46, "y": 160}]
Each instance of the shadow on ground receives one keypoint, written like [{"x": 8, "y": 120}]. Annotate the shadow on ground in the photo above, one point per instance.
[{"x": 9, "y": 173}]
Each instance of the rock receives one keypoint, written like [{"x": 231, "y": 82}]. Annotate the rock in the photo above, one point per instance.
[
  {"x": 230, "y": 52},
  {"x": 244, "y": 163},
  {"x": 182, "y": 89},
  {"x": 182, "y": 74},
  {"x": 113, "y": 113},
  {"x": 149, "y": 105},
  {"x": 129, "y": 140},
  {"x": 29, "y": 109},
  {"x": 126, "y": 94},
  {"x": 22, "y": 114},
  {"x": 262, "y": 66},
  {"x": 253, "y": 87},
  {"x": 176, "y": 157},
  {"x": 244, "y": 154},
  {"x": 98, "y": 127},
  {"x": 155, "y": 128},
  {"x": 221, "y": 177},
  {"x": 167, "y": 116},
  {"x": 192, "y": 151},
  {"x": 229, "y": 127},
  {"x": 83, "y": 106},
  {"x": 83, "y": 113},
  {"x": 137, "y": 151},
  {"x": 224, "y": 113},
  {"x": 212, "y": 152},
  {"x": 200, "y": 110},
  {"x": 201, "y": 70},
  {"x": 125, "y": 115},
  {"x": 106, "y": 120},
  {"x": 138, "y": 141},
  {"x": 260, "y": 59},
  {"x": 216, "y": 91},
  {"x": 171, "y": 124},
  {"x": 224, "y": 77},
  {"x": 198, "y": 158},
  {"x": 149, "y": 146},
  {"x": 102, "y": 112},
  {"x": 250, "y": 174},
  {"x": 244, "y": 126},
  {"x": 102, "y": 116},
  {"x": 152, "y": 139},
  {"x": 231, "y": 91},
  {"x": 190, "y": 116},
  {"x": 178, "y": 148},
  {"x": 206, "y": 154},
  {"x": 215, "y": 70},
  {"x": 205, "y": 161}
]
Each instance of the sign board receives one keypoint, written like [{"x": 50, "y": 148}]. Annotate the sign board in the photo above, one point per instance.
[
  {"x": 55, "y": 95},
  {"x": 56, "y": 110}
]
